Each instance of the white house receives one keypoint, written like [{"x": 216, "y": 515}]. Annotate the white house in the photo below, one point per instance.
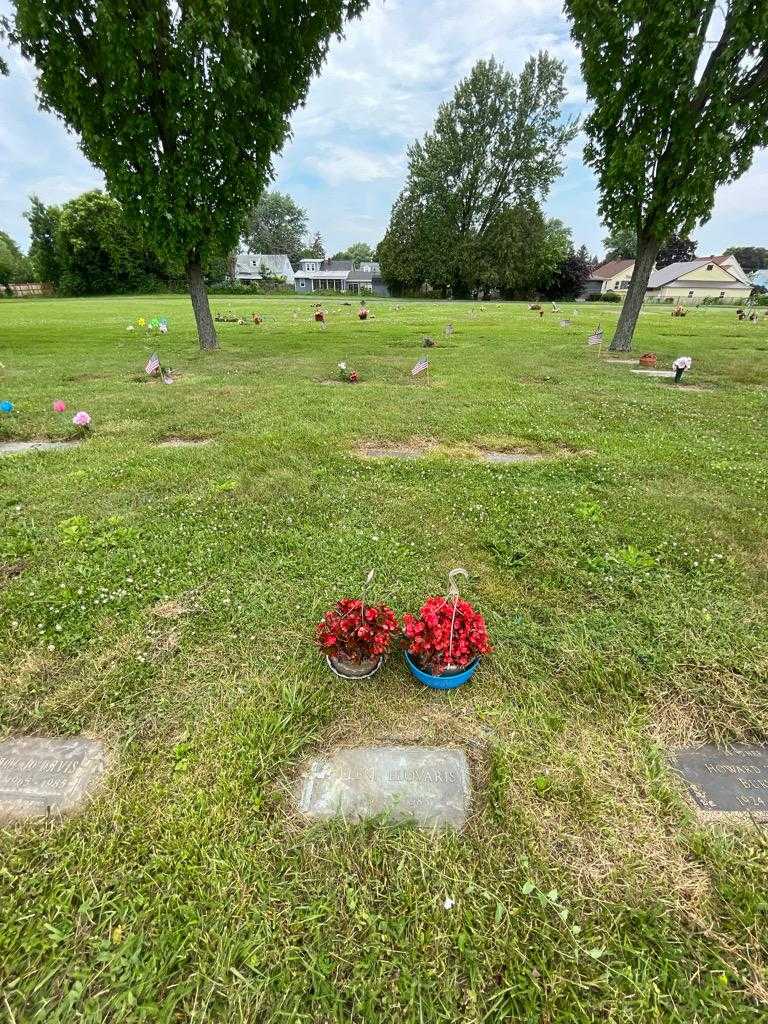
[
  {"x": 252, "y": 266},
  {"x": 340, "y": 276}
]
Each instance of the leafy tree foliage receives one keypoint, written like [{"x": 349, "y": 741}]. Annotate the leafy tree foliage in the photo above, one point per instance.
[
  {"x": 676, "y": 250},
  {"x": 620, "y": 245},
  {"x": 43, "y": 254},
  {"x": 357, "y": 252},
  {"x": 277, "y": 225},
  {"x": 98, "y": 252},
  {"x": 14, "y": 266},
  {"x": 570, "y": 275},
  {"x": 494, "y": 151},
  {"x": 181, "y": 104},
  {"x": 315, "y": 250},
  {"x": 678, "y": 93},
  {"x": 750, "y": 257}
]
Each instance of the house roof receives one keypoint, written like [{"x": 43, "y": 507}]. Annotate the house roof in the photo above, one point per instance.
[
  {"x": 611, "y": 269},
  {"x": 323, "y": 275},
  {"x": 668, "y": 274},
  {"x": 250, "y": 263}
]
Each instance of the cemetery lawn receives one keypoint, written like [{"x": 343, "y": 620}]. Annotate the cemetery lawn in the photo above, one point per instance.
[{"x": 163, "y": 600}]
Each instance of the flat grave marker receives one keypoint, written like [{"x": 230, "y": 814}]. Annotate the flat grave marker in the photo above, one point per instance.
[
  {"x": 427, "y": 785},
  {"x": 43, "y": 775},
  {"x": 19, "y": 447},
  {"x": 655, "y": 373},
  {"x": 720, "y": 781}
]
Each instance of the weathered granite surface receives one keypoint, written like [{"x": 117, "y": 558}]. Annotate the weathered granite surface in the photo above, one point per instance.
[
  {"x": 428, "y": 785},
  {"x": 47, "y": 775}
]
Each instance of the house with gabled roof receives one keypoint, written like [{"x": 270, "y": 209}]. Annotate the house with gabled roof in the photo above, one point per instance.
[
  {"x": 710, "y": 277},
  {"x": 339, "y": 276},
  {"x": 256, "y": 266},
  {"x": 613, "y": 276}
]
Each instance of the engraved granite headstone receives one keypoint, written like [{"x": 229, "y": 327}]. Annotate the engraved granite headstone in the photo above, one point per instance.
[
  {"x": 40, "y": 776},
  {"x": 732, "y": 781},
  {"x": 427, "y": 785}
]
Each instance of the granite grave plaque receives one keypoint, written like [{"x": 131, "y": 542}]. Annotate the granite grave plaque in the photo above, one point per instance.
[
  {"x": 726, "y": 781},
  {"x": 40, "y": 775},
  {"x": 427, "y": 785}
]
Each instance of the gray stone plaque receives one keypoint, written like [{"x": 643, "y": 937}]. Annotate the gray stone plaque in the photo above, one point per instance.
[
  {"x": 427, "y": 785},
  {"x": 40, "y": 776},
  {"x": 726, "y": 781}
]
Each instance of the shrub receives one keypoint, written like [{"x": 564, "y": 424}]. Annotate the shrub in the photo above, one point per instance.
[{"x": 608, "y": 297}]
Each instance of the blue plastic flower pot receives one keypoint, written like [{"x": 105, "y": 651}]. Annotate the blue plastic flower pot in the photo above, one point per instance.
[{"x": 449, "y": 681}]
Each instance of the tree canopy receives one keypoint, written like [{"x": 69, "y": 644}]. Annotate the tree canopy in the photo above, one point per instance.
[
  {"x": 676, "y": 250},
  {"x": 357, "y": 252},
  {"x": 495, "y": 149},
  {"x": 750, "y": 257},
  {"x": 679, "y": 107},
  {"x": 181, "y": 104},
  {"x": 14, "y": 265},
  {"x": 43, "y": 249},
  {"x": 315, "y": 250},
  {"x": 620, "y": 245},
  {"x": 277, "y": 225}
]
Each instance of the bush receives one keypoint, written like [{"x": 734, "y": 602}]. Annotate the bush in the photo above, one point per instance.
[
  {"x": 608, "y": 297},
  {"x": 249, "y": 288}
]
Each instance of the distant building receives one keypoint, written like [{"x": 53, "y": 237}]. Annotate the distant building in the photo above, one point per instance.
[
  {"x": 340, "y": 276},
  {"x": 713, "y": 277},
  {"x": 253, "y": 266},
  {"x": 613, "y": 276}
]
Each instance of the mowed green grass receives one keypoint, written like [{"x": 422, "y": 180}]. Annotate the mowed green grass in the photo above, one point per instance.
[{"x": 166, "y": 604}]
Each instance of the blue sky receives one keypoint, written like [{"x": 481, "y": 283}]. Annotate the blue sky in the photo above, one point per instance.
[{"x": 378, "y": 91}]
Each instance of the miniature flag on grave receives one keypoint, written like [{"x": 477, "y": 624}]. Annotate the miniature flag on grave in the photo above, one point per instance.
[
  {"x": 153, "y": 365},
  {"x": 596, "y": 338},
  {"x": 423, "y": 364}
]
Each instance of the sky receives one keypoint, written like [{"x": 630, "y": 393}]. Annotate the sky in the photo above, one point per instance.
[{"x": 379, "y": 90}]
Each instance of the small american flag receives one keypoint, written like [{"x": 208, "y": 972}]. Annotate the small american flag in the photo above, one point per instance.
[
  {"x": 153, "y": 364},
  {"x": 596, "y": 338},
  {"x": 423, "y": 364}
]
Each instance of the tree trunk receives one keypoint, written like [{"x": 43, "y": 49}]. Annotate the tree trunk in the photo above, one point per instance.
[
  {"x": 648, "y": 249},
  {"x": 206, "y": 332}
]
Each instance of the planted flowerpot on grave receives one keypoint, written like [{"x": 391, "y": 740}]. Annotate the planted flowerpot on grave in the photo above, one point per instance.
[
  {"x": 446, "y": 640},
  {"x": 648, "y": 359},
  {"x": 355, "y": 636}
]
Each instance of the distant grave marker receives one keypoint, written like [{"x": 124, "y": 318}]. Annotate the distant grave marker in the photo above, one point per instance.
[
  {"x": 732, "y": 781},
  {"x": 19, "y": 447},
  {"x": 183, "y": 442},
  {"x": 655, "y": 373},
  {"x": 41, "y": 775},
  {"x": 427, "y": 785},
  {"x": 400, "y": 451}
]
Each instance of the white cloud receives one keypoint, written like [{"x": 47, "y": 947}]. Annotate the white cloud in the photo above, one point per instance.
[{"x": 338, "y": 164}]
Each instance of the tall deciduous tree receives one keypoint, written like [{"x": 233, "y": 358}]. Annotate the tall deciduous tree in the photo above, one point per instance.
[
  {"x": 750, "y": 257},
  {"x": 181, "y": 103},
  {"x": 676, "y": 250},
  {"x": 357, "y": 252},
  {"x": 620, "y": 245},
  {"x": 315, "y": 250},
  {"x": 498, "y": 143},
  {"x": 277, "y": 225},
  {"x": 43, "y": 226},
  {"x": 679, "y": 107}
]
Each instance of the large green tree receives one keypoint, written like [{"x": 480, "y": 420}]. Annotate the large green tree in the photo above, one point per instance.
[
  {"x": 181, "y": 103},
  {"x": 679, "y": 107},
  {"x": 750, "y": 257},
  {"x": 97, "y": 250},
  {"x": 676, "y": 250},
  {"x": 14, "y": 265},
  {"x": 277, "y": 225},
  {"x": 315, "y": 250},
  {"x": 43, "y": 253},
  {"x": 498, "y": 143},
  {"x": 620, "y": 245},
  {"x": 357, "y": 252}
]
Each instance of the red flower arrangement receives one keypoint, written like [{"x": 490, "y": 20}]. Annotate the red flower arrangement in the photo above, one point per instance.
[
  {"x": 355, "y": 633},
  {"x": 438, "y": 649},
  {"x": 363, "y": 314},
  {"x": 320, "y": 316}
]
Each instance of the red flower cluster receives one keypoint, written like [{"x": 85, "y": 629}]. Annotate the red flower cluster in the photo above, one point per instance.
[
  {"x": 319, "y": 316},
  {"x": 430, "y": 635},
  {"x": 355, "y": 634},
  {"x": 353, "y": 377},
  {"x": 363, "y": 314}
]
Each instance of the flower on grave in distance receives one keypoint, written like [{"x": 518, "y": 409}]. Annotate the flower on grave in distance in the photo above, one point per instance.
[
  {"x": 342, "y": 365},
  {"x": 353, "y": 377},
  {"x": 141, "y": 322},
  {"x": 59, "y": 406},
  {"x": 81, "y": 419},
  {"x": 6, "y": 406}
]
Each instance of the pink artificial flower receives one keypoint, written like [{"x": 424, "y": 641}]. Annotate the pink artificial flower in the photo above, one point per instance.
[
  {"x": 59, "y": 406},
  {"x": 81, "y": 419}
]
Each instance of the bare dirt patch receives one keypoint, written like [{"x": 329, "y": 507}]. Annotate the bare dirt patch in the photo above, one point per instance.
[
  {"x": 10, "y": 571},
  {"x": 413, "y": 449}
]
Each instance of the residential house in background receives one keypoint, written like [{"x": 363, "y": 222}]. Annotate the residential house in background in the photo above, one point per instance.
[
  {"x": 253, "y": 266},
  {"x": 339, "y": 276},
  {"x": 710, "y": 277},
  {"x": 713, "y": 277}
]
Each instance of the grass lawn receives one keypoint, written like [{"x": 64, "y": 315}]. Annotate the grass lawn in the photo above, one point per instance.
[{"x": 166, "y": 601}]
